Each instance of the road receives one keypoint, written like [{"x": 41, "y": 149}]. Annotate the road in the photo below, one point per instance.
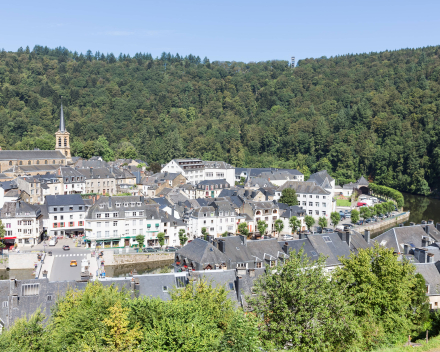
[{"x": 61, "y": 269}]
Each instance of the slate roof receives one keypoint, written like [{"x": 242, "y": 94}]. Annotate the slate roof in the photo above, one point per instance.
[
  {"x": 306, "y": 187},
  {"x": 19, "y": 209},
  {"x": 152, "y": 285},
  {"x": 217, "y": 165},
  {"x": 30, "y": 155},
  {"x": 33, "y": 168},
  {"x": 213, "y": 182},
  {"x": 202, "y": 252},
  {"x": 314, "y": 245},
  {"x": 109, "y": 204},
  {"x": 64, "y": 199},
  {"x": 95, "y": 173},
  {"x": 397, "y": 237},
  {"x": 293, "y": 210},
  {"x": 430, "y": 272},
  {"x": 320, "y": 177}
]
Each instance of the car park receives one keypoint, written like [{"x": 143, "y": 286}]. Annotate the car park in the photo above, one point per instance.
[{"x": 73, "y": 263}]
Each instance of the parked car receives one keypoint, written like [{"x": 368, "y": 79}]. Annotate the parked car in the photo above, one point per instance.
[
  {"x": 66, "y": 248},
  {"x": 342, "y": 213},
  {"x": 348, "y": 215},
  {"x": 348, "y": 225},
  {"x": 287, "y": 238},
  {"x": 360, "y": 222},
  {"x": 148, "y": 250},
  {"x": 73, "y": 263},
  {"x": 170, "y": 249},
  {"x": 361, "y": 204},
  {"x": 368, "y": 220},
  {"x": 327, "y": 230}
]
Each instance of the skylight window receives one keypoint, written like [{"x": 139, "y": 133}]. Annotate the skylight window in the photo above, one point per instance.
[
  {"x": 314, "y": 253},
  {"x": 327, "y": 239}
]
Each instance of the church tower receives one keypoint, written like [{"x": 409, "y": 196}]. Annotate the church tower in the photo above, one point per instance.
[{"x": 62, "y": 142}]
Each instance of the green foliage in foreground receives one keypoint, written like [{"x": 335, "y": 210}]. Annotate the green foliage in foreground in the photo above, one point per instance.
[
  {"x": 369, "y": 114},
  {"x": 373, "y": 300}
]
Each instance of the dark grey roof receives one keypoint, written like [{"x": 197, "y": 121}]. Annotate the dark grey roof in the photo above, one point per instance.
[
  {"x": 293, "y": 210},
  {"x": 64, "y": 199},
  {"x": 153, "y": 285},
  {"x": 202, "y": 252},
  {"x": 306, "y": 187},
  {"x": 320, "y": 177},
  {"x": 397, "y": 237},
  {"x": 217, "y": 165},
  {"x": 213, "y": 182},
  {"x": 19, "y": 209},
  {"x": 430, "y": 272},
  {"x": 31, "y": 155},
  {"x": 163, "y": 202},
  {"x": 34, "y": 168},
  {"x": 109, "y": 204},
  {"x": 95, "y": 173}
]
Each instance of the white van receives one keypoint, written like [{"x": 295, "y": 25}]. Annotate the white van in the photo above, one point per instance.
[{"x": 53, "y": 241}]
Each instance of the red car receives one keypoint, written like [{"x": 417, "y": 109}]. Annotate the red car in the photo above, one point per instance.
[{"x": 360, "y": 204}]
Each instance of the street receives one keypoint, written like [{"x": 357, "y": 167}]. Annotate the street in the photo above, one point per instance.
[{"x": 61, "y": 269}]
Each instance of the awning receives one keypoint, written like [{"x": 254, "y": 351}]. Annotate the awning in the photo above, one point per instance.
[{"x": 9, "y": 238}]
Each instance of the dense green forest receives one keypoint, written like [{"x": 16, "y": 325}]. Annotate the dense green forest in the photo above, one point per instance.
[{"x": 374, "y": 114}]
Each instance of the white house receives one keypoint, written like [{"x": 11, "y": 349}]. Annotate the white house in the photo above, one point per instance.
[
  {"x": 72, "y": 180},
  {"x": 23, "y": 223},
  {"x": 215, "y": 170},
  {"x": 66, "y": 215},
  {"x": 314, "y": 199},
  {"x": 192, "y": 169},
  {"x": 217, "y": 218}
]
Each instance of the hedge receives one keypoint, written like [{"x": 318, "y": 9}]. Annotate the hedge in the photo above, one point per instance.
[{"x": 388, "y": 192}]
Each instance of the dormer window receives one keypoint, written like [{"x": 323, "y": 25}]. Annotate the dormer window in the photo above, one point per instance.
[
  {"x": 125, "y": 204},
  {"x": 101, "y": 206},
  {"x": 133, "y": 204},
  {"x": 139, "y": 204},
  {"x": 118, "y": 205}
]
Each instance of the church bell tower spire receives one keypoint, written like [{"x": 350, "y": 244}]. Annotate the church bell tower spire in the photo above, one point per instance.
[{"x": 62, "y": 137}]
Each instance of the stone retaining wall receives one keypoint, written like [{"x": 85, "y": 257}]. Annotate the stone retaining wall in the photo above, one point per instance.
[
  {"x": 377, "y": 226},
  {"x": 115, "y": 259},
  {"x": 22, "y": 260}
]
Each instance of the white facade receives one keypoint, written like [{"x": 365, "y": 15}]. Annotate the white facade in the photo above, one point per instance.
[
  {"x": 224, "y": 171},
  {"x": 192, "y": 169},
  {"x": 66, "y": 222},
  {"x": 215, "y": 222}
]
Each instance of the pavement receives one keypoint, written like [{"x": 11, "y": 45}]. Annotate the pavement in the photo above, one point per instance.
[{"x": 61, "y": 269}]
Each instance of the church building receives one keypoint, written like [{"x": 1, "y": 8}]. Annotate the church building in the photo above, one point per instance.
[{"x": 32, "y": 162}]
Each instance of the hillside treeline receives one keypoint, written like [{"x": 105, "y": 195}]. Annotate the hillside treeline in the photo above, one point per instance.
[{"x": 374, "y": 114}]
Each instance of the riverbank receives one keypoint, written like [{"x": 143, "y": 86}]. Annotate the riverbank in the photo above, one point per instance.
[{"x": 384, "y": 224}]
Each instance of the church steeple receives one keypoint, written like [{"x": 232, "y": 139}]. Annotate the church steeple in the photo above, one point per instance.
[
  {"x": 62, "y": 137},
  {"x": 62, "y": 117}
]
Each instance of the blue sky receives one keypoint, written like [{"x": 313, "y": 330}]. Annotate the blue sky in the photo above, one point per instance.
[{"x": 222, "y": 30}]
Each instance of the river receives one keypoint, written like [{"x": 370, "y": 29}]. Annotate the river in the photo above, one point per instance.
[{"x": 421, "y": 208}]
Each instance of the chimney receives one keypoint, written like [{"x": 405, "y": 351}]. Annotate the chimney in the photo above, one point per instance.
[
  {"x": 221, "y": 246},
  {"x": 341, "y": 235},
  {"x": 430, "y": 222},
  {"x": 411, "y": 224},
  {"x": 438, "y": 226},
  {"x": 430, "y": 258},
  {"x": 286, "y": 247},
  {"x": 243, "y": 239},
  {"x": 405, "y": 249},
  {"x": 367, "y": 236},
  {"x": 423, "y": 222},
  {"x": 348, "y": 238},
  {"x": 417, "y": 254},
  {"x": 425, "y": 241},
  {"x": 425, "y": 255},
  {"x": 427, "y": 229},
  {"x": 238, "y": 287}
]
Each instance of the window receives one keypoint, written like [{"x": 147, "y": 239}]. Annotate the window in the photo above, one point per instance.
[
  {"x": 241, "y": 265},
  {"x": 107, "y": 224},
  {"x": 115, "y": 233},
  {"x": 317, "y": 204},
  {"x": 304, "y": 196},
  {"x": 165, "y": 288},
  {"x": 30, "y": 289},
  {"x": 55, "y": 218},
  {"x": 314, "y": 253},
  {"x": 310, "y": 212},
  {"x": 61, "y": 209},
  {"x": 311, "y": 204},
  {"x": 231, "y": 286},
  {"x": 324, "y": 213},
  {"x": 326, "y": 238},
  {"x": 316, "y": 212},
  {"x": 180, "y": 281},
  {"x": 5, "y": 304},
  {"x": 134, "y": 213},
  {"x": 115, "y": 223},
  {"x": 98, "y": 224},
  {"x": 49, "y": 297},
  {"x": 107, "y": 234},
  {"x": 304, "y": 203},
  {"x": 29, "y": 162},
  {"x": 70, "y": 208},
  {"x": 55, "y": 209},
  {"x": 323, "y": 197},
  {"x": 258, "y": 265},
  {"x": 71, "y": 224},
  {"x": 98, "y": 234},
  {"x": 134, "y": 232},
  {"x": 324, "y": 205},
  {"x": 71, "y": 217},
  {"x": 115, "y": 215},
  {"x": 61, "y": 217},
  {"x": 310, "y": 196},
  {"x": 272, "y": 263},
  {"x": 317, "y": 197},
  {"x": 98, "y": 216}
]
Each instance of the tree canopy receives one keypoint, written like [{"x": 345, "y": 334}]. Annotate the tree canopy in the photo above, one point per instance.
[{"x": 373, "y": 114}]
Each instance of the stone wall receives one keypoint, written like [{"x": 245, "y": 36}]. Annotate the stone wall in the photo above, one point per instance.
[
  {"x": 115, "y": 259},
  {"x": 384, "y": 224}
]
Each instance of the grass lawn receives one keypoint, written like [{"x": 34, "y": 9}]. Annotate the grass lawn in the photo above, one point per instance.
[
  {"x": 432, "y": 346},
  {"x": 343, "y": 203}
]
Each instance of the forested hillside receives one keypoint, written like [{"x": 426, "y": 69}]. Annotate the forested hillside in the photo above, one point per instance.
[{"x": 374, "y": 114}]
